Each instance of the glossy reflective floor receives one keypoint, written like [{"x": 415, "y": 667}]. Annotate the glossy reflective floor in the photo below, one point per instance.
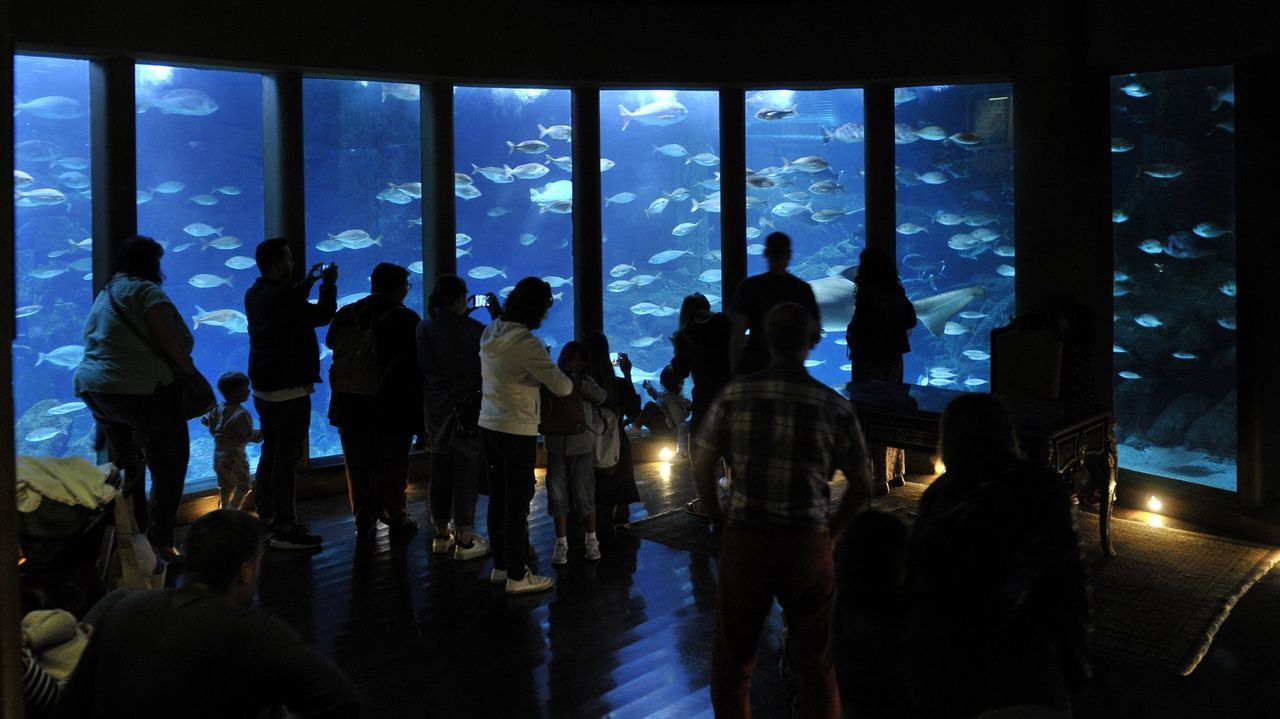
[{"x": 629, "y": 635}]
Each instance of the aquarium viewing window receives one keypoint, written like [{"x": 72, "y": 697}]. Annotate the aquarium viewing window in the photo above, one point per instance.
[
  {"x": 199, "y": 143},
  {"x": 1173, "y": 220},
  {"x": 363, "y": 162},
  {"x": 514, "y": 195},
  {"x": 805, "y": 167},
  {"x": 955, "y": 233},
  {"x": 53, "y": 254},
  {"x": 660, "y": 187}
]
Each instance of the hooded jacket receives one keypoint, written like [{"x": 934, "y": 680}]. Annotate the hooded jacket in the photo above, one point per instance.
[{"x": 513, "y": 363}]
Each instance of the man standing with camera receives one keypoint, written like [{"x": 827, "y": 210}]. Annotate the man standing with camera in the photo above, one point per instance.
[{"x": 284, "y": 365}]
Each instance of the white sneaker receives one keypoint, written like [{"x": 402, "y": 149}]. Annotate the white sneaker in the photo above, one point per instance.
[
  {"x": 529, "y": 583},
  {"x": 593, "y": 548},
  {"x": 442, "y": 545},
  {"x": 560, "y": 555},
  {"x": 479, "y": 548},
  {"x": 498, "y": 576}
]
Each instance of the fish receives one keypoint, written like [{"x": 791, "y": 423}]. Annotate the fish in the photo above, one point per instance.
[
  {"x": 666, "y": 256},
  {"x": 1148, "y": 320},
  {"x": 976, "y": 355},
  {"x": 527, "y": 239},
  {"x": 560, "y": 190},
  {"x": 710, "y": 276},
  {"x": 1184, "y": 356},
  {"x": 81, "y": 265},
  {"x": 656, "y": 207},
  {"x": 661, "y": 113},
  {"x": 500, "y": 175},
  {"x": 753, "y": 233},
  {"x": 36, "y": 151},
  {"x": 1151, "y": 247},
  {"x": 200, "y": 229},
  {"x": 1119, "y": 144},
  {"x": 414, "y": 221},
  {"x": 963, "y": 241},
  {"x": 39, "y": 198},
  {"x": 760, "y": 182},
  {"x": 1163, "y": 171},
  {"x": 932, "y": 133},
  {"x": 974, "y": 382},
  {"x": 1117, "y": 349},
  {"x": 679, "y": 194},
  {"x": 1126, "y": 374},
  {"x": 1135, "y": 89},
  {"x": 557, "y": 281},
  {"x": 183, "y": 247},
  {"x": 556, "y": 132},
  {"x": 966, "y": 139},
  {"x": 903, "y": 95},
  {"x": 954, "y": 328},
  {"x": 461, "y": 252},
  {"x": 497, "y": 211},
  {"x": 205, "y": 200},
  {"x": 1005, "y": 270},
  {"x": 971, "y": 315},
  {"x": 564, "y": 163},
  {"x": 849, "y": 132},
  {"x": 528, "y": 171},
  {"x": 1188, "y": 246},
  {"x": 224, "y": 242},
  {"x": 934, "y": 178},
  {"x": 227, "y": 190},
  {"x": 685, "y": 228},
  {"x": 622, "y": 269},
  {"x": 54, "y": 254},
  {"x": 642, "y": 342},
  {"x": 621, "y": 285},
  {"x": 671, "y": 150},
  {"x": 756, "y": 249},
  {"x": 904, "y": 134},
  {"x": 644, "y": 308},
  {"x": 814, "y": 363},
  {"x": 414, "y": 189},
  {"x": 532, "y": 147},
  {"x": 940, "y": 381},
  {"x": 829, "y": 215},
  {"x": 1227, "y": 323},
  {"x": 43, "y": 433},
  {"x": 184, "y": 101},
  {"x": 66, "y": 408},
  {"x": 484, "y": 272},
  {"x": 22, "y": 179},
  {"x": 70, "y": 163},
  {"x": 206, "y": 281},
  {"x": 950, "y": 219},
  {"x": 706, "y": 159},
  {"x": 562, "y": 207},
  {"x": 776, "y": 113},
  {"x": 232, "y": 321},
  {"x": 1228, "y": 288},
  {"x": 910, "y": 228},
  {"x": 395, "y": 196},
  {"x": 790, "y": 209},
  {"x": 330, "y": 245},
  {"x": 1004, "y": 251},
  {"x": 642, "y": 280},
  {"x": 51, "y": 107},
  {"x": 73, "y": 179},
  {"x": 416, "y": 267},
  {"x": 26, "y": 311},
  {"x": 240, "y": 262},
  {"x": 169, "y": 187},
  {"x": 621, "y": 198},
  {"x": 67, "y": 356},
  {"x": 45, "y": 273},
  {"x": 1210, "y": 230},
  {"x": 809, "y": 164},
  {"x": 142, "y": 197},
  {"x": 711, "y": 204},
  {"x": 663, "y": 311}
]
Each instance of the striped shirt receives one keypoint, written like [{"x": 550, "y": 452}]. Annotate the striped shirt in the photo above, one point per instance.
[{"x": 784, "y": 435}]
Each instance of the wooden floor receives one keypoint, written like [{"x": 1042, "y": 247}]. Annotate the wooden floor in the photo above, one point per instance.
[{"x": 629, "y": 635}]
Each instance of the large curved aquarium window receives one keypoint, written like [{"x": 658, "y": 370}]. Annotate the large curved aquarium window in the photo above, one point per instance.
[
  {"x": 1173, "y": 170},
  {"x": 660, "y": 161},
  {"x": 805, "y": 166},
  {"x": 363, "y": 163},
  {"x": 53, "y": 253},
  {"x": 514, "y": 190},
  {"x": 199, "y": 135},
  {"x": 955, "y": 227}
]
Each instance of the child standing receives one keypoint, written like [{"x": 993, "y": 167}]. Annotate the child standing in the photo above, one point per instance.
[
  {"x": 571, "y": 462},
  {"x": 675, "y": 406},
  {"x": 232, "y": 429}
]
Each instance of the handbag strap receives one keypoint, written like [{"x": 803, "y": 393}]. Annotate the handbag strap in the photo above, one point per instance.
[{"x": 146, "y": 339}]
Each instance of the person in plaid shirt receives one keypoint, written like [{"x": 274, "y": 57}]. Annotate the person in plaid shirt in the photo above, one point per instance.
[{"x": 783, "y": 435}]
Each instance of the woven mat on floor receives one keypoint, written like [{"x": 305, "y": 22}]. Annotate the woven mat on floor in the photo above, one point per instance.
[{"x": 1158, "y": 604}]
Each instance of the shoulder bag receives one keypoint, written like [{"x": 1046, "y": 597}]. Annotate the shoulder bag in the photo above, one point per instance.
[{"x": 195, "y": 395}]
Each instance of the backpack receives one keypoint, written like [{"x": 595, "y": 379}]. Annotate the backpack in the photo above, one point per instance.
[
  {"x": 561, "y": 415},
  {"x": 356, "y": 368}
]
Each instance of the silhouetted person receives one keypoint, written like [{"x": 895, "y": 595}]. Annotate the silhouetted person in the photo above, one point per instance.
[
  {"x": 753, "y": 298},
  {"x": 377, "y": 427},
  {"x": 783, "y": 434},
  {"x": 997, "y": 611},
  {"x": 877, "y": 338},
  {"x": 701, "y": 350},
  {"x": 202, "y": 650},
  {"x": 284, "y": 366},
  {"x": 616, "y": 491}
]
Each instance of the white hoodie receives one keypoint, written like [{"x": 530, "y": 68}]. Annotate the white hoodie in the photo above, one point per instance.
[{"x": 513, "y": 363}]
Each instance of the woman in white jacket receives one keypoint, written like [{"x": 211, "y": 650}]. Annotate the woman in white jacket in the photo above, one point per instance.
[{"x": 513, "y": 364}]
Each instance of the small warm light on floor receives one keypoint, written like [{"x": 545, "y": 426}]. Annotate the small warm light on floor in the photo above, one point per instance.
[
  {"x": 664, "y": 471},
  {"x": 1154, "y": 504},
  {"x": 938, "y": 467},
  {"x": 666, "y": 454},
  {"x": 1155, "y": 520}
]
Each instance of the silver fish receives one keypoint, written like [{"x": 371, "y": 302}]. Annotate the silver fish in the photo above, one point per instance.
[{"x": 206, "y": 281}]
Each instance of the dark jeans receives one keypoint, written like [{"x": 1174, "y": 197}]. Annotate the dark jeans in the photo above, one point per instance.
[
  {"x": 377, "y": 464},
  {"x": 510, "y": 458},
  {"x": 147, "y": 431},
  {"x": 284, "y": 443},
  {"x": 757, "y": 565},
  {"x": 455, "y": 479}
]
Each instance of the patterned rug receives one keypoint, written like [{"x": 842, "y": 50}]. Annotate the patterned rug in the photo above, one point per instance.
[{"x": 1157, "y": 604}]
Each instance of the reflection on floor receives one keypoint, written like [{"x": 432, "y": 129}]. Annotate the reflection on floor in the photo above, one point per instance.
[{"x": 628, "y": 636}]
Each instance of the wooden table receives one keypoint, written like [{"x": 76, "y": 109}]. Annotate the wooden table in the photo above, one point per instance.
[{"x": 1064, "y": 437}]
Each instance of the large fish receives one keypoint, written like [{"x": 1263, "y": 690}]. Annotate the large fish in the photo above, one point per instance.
[
  {"x": 52, "y": 107},
  {"x": 835, "y": 303},
  {"x": 660, "y": 113}
]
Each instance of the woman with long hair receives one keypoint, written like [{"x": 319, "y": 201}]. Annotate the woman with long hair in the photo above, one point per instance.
[
  {"x": 616, "y": 490},
  {"x": 701, "y": 344}
]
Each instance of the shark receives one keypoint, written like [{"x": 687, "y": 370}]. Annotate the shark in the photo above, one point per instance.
[{"x": 835, "y": 303}]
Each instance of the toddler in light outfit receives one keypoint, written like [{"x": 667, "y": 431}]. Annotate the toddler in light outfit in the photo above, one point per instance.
[
  {"x": 232, "y": 429},
  {"x": 676, "y": 408},
  {"x": 571, "y": 478}
]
